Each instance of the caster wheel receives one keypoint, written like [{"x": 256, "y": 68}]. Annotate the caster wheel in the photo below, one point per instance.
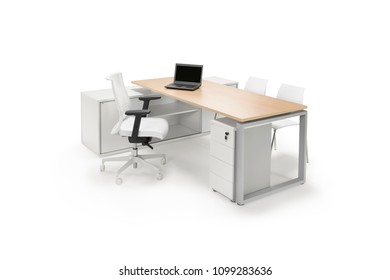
[
  {"x": 163, "y": 161},
  {"x": 159, "y": 176},
  {"x": 118, "y": 181},
  {"x": 102, "y": 168},
  {"x": 135, "y": 165},
  {"x": 214, "y": 190},
  {"x": 233, "y": 201}
]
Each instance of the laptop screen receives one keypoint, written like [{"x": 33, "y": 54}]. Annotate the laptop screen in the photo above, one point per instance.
[{"x": 188, "y": 73}]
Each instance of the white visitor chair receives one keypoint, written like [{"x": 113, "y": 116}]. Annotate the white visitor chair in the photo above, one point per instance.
[
  {"x": 292, "y": 94},
  {"x": 137, "y": 127},
  {"x": 256, "y": 85}
]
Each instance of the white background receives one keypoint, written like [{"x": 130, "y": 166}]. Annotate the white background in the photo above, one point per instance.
[{"x": 62, "y": 219}]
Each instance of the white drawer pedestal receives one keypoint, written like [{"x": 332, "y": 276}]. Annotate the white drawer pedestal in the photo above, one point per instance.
[{"x": 223, "y": 165}]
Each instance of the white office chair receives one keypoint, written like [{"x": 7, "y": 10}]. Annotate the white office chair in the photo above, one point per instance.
[
  {"x": 255, "y": 85},
  {"x": 292, "y": 94},
  {"x": 135, "y": 125}
]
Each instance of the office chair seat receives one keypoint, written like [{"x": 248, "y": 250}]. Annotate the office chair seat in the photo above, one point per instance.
[{"x": 149, "y": 127}]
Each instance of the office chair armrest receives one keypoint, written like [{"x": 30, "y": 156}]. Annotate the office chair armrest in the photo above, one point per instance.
[
  {"x": 137, "y": 122},
  {"x": 146, "y": 99},
  {"x": 137, "y": 112},
  {"x": 149, "y": 97}
]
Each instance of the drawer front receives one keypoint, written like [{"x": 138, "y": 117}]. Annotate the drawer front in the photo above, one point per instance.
[
  {"x": 222, "y": 169},
  {"x": 223, "y": 134},
  {"x": 221, "y": 185},
  {"x": 222, "y": 152}
]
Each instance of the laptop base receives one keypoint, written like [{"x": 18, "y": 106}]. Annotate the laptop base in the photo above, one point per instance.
[{"x": 182, "y": 86}]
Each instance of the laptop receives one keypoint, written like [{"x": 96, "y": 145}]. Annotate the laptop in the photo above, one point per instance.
[{"x": 187, "y": 77}]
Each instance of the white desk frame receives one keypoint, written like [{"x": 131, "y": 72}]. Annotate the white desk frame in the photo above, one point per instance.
[{"x": 240, "y": 198}]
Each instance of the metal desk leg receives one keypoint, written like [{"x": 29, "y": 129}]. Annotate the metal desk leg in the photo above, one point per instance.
[
  {"x": 239, "y": 180},
  {"x": 302, "y": 147}
]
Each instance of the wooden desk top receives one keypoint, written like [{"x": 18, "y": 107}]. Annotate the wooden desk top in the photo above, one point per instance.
[{"x": 234, "y": 103}]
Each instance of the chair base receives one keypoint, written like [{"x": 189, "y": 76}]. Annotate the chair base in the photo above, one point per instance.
[{"x": 135, "y": 159}]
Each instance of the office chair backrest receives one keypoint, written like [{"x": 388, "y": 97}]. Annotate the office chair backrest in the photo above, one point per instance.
[
  {"x": 256, "y": 85},
  {"x": 291, "y": 93},
  {"x": 122, "y": 99}
]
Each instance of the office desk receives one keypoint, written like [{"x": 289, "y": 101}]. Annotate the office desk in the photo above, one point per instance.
[
  {"x": 233, "y": 103},
  {"x": 249, "y": 110}
]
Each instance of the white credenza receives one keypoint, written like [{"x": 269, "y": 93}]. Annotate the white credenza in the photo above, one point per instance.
[
  {"x": 256, "y": 164},
  {"x": 99, "y": 115}
]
